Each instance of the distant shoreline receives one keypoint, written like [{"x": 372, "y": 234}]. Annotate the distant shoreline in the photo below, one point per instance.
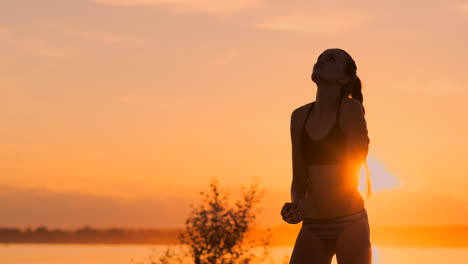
[{"x": 450, "y": 236}]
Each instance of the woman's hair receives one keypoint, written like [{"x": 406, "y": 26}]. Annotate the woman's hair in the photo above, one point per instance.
[{"x": 353, "y": 89}]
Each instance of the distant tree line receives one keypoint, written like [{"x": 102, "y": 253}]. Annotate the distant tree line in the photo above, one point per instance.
[
  {"x": 89, "y": 235},
  {"x": 417, "y": 236}
]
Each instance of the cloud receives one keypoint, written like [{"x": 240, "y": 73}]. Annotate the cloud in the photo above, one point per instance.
[
  {"x": 96, "y": 36},
  {"x": 323, "y": 24},
  {"x": 436, "y": 86},
  {"x": 188, "y": 6},
  {"x": 56, "y": 44},
  {"x": 137, "y": 100},
  {"x": 463, "y": 8},
  {"x": 34, "y": 207},
  {"x": 40, "y": 47},
  {"x": 93, "y": 35},
  {"x": 274, "y": 15},
  {"x": 411, "y": 207}
]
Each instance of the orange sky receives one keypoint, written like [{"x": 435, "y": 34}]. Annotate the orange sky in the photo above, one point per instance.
[{"x": 109, "y": 100}]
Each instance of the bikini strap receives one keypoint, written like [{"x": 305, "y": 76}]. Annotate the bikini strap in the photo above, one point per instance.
[{"x": 307, "y": 115}]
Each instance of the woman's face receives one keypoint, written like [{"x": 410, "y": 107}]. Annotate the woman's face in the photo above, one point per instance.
[{"x": 330, "y": 67}]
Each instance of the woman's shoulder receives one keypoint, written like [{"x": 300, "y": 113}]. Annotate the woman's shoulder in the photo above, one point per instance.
[
  {"x": 351, "y": 105},
  {"x": 352, "y": 110},
  {"x": 298, "y": 115},
  {"x": 301, "y": 110}
]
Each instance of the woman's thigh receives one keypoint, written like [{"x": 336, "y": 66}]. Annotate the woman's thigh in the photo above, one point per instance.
[
  {"x": 353, "y": 244},
  {"x": 309, "y": 249}
]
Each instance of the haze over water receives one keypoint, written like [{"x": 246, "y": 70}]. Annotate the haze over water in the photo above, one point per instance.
[{"x": 127, "y": 254}]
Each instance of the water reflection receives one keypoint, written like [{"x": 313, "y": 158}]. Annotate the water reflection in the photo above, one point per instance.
[{"x": 127, "y": 254}]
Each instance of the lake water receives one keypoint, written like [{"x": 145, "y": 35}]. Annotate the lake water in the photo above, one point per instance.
[{"x": 128, "y": 254}]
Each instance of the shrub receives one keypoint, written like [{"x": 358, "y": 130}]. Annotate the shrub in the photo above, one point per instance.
[{"x": 217, "y": 232}]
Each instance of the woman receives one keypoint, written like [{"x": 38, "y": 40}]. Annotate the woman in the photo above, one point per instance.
[{"x": 329, "y": 146}]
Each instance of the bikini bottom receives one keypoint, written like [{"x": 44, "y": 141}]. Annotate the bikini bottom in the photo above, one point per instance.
[{"x": 330, "y": 229}]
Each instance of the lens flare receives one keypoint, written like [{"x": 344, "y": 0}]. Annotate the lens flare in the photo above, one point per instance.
[{"x": 381, "y": 177}]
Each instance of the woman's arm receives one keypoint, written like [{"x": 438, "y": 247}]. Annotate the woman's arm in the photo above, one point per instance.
[{"x": 299, "y": 169}]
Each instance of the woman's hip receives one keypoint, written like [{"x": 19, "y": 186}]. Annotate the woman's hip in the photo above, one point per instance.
[{"x": 331, "y": 228}]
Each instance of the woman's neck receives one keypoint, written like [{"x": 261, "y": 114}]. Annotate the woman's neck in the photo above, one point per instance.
[{"x": 327, "y": 99}]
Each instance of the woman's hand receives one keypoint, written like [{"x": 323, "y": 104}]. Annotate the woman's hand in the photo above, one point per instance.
[{"x": 291, "y": 213}]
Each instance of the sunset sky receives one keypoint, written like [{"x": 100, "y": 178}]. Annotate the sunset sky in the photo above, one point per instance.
[{"x": 118, "y": 112}]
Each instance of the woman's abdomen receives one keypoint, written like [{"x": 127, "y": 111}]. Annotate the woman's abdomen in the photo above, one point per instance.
[{"x": 332, "y": 192}]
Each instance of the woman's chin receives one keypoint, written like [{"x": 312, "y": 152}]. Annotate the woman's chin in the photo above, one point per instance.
[{"x": 315, "y": 76}]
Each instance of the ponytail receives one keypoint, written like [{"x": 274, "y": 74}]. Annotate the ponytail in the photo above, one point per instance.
[{"x": 353, "y": 89}]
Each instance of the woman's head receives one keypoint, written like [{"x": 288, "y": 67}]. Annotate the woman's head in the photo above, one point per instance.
[
  {"x": 333, "y": 66},
  {"x": 336, "y": 66}
]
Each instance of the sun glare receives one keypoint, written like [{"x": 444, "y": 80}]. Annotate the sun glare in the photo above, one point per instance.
[{"x": 381, "y": 178}]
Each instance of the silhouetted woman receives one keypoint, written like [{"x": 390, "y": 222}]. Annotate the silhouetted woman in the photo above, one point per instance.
[{"x": 329, "y": 146}]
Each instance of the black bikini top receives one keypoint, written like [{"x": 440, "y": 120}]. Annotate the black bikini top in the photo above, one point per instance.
[{"x": 330, "y": 149}]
